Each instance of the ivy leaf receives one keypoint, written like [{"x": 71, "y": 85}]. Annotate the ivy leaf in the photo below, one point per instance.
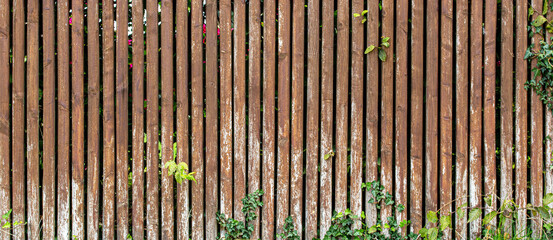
[
  {"x": 432, "y": 217},
  {"x": 433, "y": 234},
  {"x": 474, "y": 214},
  {"x": 382, "y": 55},
  {"x": 528, "y": 53},
  {"x": 548, "y": 199},
  {"x": 540, "y": 20},
  {"x": 445, "y": 222},
  {"x": 369, "y": 49}
]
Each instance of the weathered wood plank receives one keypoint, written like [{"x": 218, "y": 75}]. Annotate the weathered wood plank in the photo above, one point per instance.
[
  {"x": 462, "y": 112},
  {"x": 283, "y": 159},
  {"x": 548, "y": 187},
  {"x": 108, "y": 125},
  {"x": 183, "y": 132},
  {"x": 33, "y": 124},
  {"x": 93, "y": 125},
  {"x": 475, "y": 126},
  {"x": 268, "y": 164},
  {"x": 5, "y": 186},
  {"x": 167, "y": 198},
  {"x": 152, "y": 122},
  {"x": 327, "y": 123},
  {"x": 197, "y": 121}
]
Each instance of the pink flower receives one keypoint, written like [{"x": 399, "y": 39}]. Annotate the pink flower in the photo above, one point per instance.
[
  {"x": 204, "y": 29},
  {"x": 70, "y": 21},
  {"x": 130, "y": 65},
  {"x": 218, "y": 31},
  {"x": 130, "y": 42}
]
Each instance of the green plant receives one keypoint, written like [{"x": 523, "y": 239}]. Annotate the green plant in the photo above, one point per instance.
[
  {"x": 289, "y": 231},
  {"x": 384, "y": 43},
  {"x": 8, "y": 225},
  {"x": 235, "y": 229},
  {"x": 179, "y": 170}
]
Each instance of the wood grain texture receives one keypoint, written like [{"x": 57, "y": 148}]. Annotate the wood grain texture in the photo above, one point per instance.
[
  {"x": 432, "y": 63},
  {"x": 49, "y": 116},
  {"x": 108, "y": 125},
  {"x": 506, "y": 67},
  {"x": 462, "y": 114},
  {"x": 33, "y": 124},
  {"x": 239, "y": 123},
  {"x": 182, "y": 50},
  {"x": 372, "y": 102},
  {"x": 18, "y": 118},
  {"x": 137, "y": 85},
  {"x": 152, "y": 122},
  {"x": 417, "y": 115},
  {"x": 93, "y": 122},
  {"x": 356, "y": 106},
  {"x": 5, "y": 128},
  {"x": 283, "y": 143},
  {"x": 268, "y": 108},
  {"x": 475, "y": 125},
  {"x": 548, "y": 125},
  {"x": 401, "y": 96},
  {"x": 254, "y": 105},
  {"x": 298, "y": 110},
  {"x": 211, "y": 115},
  {"x": 197, "y": 121},
  {"x": 327, "y": 125}
]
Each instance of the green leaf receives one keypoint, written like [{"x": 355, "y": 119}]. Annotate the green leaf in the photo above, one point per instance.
[
  {"x": 364, "y": 12},
  {"x": 7, "y": 215},
  {"x": 385, "y": 39},
  {"x": 368, "y": 50},
  {"x": 372, "y": 229},
  {"x": 6, "y": 225},
  {"x": 382, "y": 55},
  {"x": 474, "y": 214},
  {"x": 540, "y": 20},
  {"x": 386, "y": 44},
  {"x": 433, "y": 233},
  {"x": 432, "y": 216},
  {"x": 530, "y": 12},
  {"x": 528, "y": 53},
  {"x": 548, "y": 199},
  {"x": 445, "y": 222},
  {"x": 364, "y": 20},
  {"x": 356, "y": 15},
  {"x": 545, "y": 7},
  {"x": 489, "y": 217}
]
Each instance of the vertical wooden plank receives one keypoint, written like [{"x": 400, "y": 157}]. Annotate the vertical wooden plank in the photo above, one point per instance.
[
  {"x": 521, "y": 110},
  {"x": 33, "y": 167},
  {"x": 197, "y": 121},
  {"x": 356, "y": 135},
  {"x": 548, "y": 188},
  {"x": 238, "y": 189},
  {"x": 536, "y": 134},
  {"x": 387, "y": 105},
  {"x": 49, "y": 116},
  {"x": 268, "y": 164},
  {"x": 77, "y": 121},
  {"x": 211, "y": 136},
  {"x": 152, "y": 122},
  {"x": 432, "y": 63},
  {"x": 312, "y": 124},
  {"x": 283, "y": 159},
  {"x": 401, "y": 92},
  {"x": 507, "y": 56},
  {"x": 490, "y": 21},
  {"x": 138, "y": 121},
  {"x": 254, "y": 105},
  {"x": 298, "y": 66},
  {"x": 182, "y": 71},
  {"x": 93, "y": 141},
  {"x": 372, "y": 121},
  {"x": 18, "y": 117},
  {"x": 167, "y": 31},
  {"x": 5, "y": 187},
  {"x": 225, "y": 101},
  {"x": 341, "y": 120},
  {"x": 446, "y": 113},
  {"x": 462, "y": 112},
  {"x": 417, "y": 103},
  {"x": 108, "y": 125},
  {"x": 475, "y": 126}
]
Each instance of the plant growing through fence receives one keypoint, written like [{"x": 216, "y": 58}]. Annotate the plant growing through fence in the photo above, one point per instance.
[
  {"x": 235, "y": 229},
  {"x": 179, "y": 170}
]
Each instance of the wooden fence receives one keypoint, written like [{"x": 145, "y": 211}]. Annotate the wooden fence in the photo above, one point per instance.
[{"x": 272, "y": 95}]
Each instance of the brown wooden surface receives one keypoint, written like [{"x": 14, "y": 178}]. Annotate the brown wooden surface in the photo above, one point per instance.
[
  {"x": 432, "y": 63},
  {"x": 152, "y": 123},
  {"x": 93, "y": 122},
  {"x": 475, "y": 118},
  {"x": 33, "y": 124},
  {"x": 254, "y": 106},
  {"x": 506, "y": 67},
  {"x": 5, "y": 128},
  {"x": 18, "y": 118},
  {"x": 137, "y": 88},
  {"x": 462, "y": 114},
  {"x": 283, "y": 143},
  {"x": 182, "y": 49},
  {"x": 268, "y": 108},
  {"x": 327, "y": 125},
  {"x": 548, "y": 129},
  {"x": 298, "y": 110},
  {"x": 417, "y": 213},
  {"x": 49, "y": 116},
  {"x": 108, "y": 125},
  {"x": 167, "y": 198}
]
